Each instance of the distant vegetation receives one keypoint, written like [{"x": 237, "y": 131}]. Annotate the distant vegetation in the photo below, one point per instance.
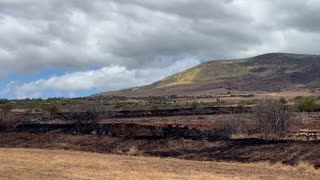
[
  {"x": 306, "y": 104},
  {"x": 119, "y": 103}
]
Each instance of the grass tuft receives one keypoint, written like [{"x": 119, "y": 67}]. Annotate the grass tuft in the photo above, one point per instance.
[
  {"x": 306, "y": 167},
  {"x": 134, "y": 151}
]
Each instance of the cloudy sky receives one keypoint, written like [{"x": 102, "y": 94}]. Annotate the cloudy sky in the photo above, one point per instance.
[{"x": 79, "y": 47}]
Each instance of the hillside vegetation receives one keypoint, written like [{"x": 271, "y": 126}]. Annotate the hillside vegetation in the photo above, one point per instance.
[{"x": 268, "y": 72}]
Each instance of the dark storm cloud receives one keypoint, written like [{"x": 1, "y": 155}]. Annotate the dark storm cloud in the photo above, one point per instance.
[
  {"x": 142, "y": 34},
  {"x": 304, "y": 16},
  {"x": 214, "y": 9}
]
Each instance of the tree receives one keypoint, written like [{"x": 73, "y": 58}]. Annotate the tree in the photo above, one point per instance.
[{"x": 274, "y": 117}]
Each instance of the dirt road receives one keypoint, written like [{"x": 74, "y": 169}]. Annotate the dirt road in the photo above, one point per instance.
[{"x": 54, "y": 164}]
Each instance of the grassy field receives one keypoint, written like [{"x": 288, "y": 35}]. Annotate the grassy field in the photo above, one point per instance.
[{"x": 48, "y": 164}]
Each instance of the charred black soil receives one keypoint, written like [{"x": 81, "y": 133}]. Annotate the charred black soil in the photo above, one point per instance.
[{"x": 173, "y": 142}]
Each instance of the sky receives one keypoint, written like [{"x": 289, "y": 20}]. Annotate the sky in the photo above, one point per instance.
[{"x": 71, "y": 48}]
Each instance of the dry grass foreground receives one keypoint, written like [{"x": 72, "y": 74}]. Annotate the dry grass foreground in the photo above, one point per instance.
[{"x": 56, "y": 164}]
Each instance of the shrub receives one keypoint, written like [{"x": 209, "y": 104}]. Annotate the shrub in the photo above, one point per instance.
[
  {"x": 86, "y": 117},
  {"x": 37, "y": 110},
  {"x": 52, "y": 109},
  {"x": 306, "y": 104},
  {"x": 306, "y": 167},
  {"x": 274, "y": 117},
  {"x": 194, "y": 105},
  {"x": 233, "y": 124},
  {"x": 7, "y": 121},
  {"x": 6, "y": 108}
]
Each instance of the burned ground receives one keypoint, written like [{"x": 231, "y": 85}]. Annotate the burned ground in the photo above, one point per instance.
[
  {"x": 46, "y": 117},
  {"x": 186, "y": 137},
  {"x": 243, "y": 150}
]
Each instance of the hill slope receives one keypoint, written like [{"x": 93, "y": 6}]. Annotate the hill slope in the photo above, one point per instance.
[{"x": 268, "y": 72}]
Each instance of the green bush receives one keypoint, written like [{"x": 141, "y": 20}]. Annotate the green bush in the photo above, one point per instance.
[{"x": 306, "y": 104}]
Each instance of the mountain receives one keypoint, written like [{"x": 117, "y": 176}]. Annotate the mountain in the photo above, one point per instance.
[{"x": 268, "y": 72}]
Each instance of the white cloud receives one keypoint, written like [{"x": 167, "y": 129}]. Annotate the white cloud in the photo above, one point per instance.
[
  {"x": 137, "y": 33},
  {"x": 135, "y": 36},
  {"x": 105, "y": 79}
]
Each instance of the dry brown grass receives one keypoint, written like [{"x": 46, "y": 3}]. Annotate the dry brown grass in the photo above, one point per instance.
[
  {"x": 134, "y": 151},
  {"x": 301, "y": 138},
  {"x": 45, "y": 164},
  {"x": 306, "y": 167},
  {"x": 302, "y": 166},
  {"x": 257, "y": 136}
]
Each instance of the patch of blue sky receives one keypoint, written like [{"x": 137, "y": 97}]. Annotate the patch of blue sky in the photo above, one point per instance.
[{"x": 45, "y": 73}]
